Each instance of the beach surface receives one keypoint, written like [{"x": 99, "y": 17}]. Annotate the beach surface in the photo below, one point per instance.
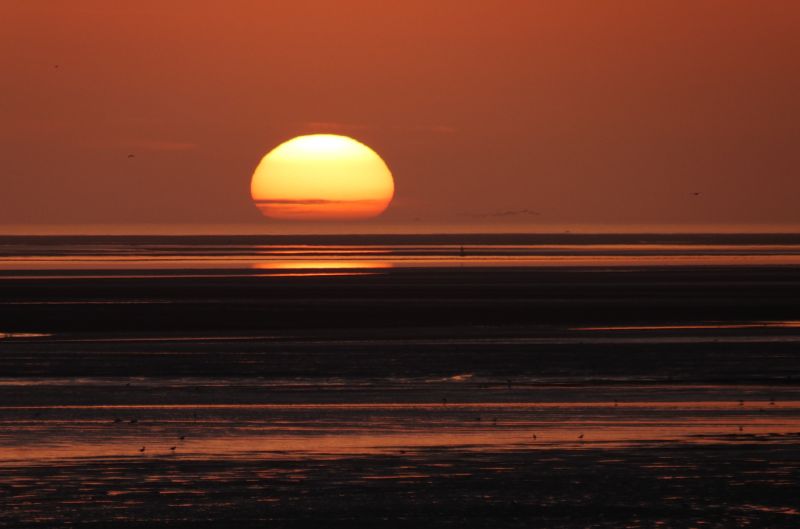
[{"x": 556, "y": 382}]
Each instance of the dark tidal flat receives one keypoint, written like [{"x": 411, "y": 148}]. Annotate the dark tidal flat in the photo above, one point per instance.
[{"x": 523, "y": 381}]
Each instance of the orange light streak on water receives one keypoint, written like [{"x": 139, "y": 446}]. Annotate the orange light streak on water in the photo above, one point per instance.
[
  {"x": 336, "y": 429},
  {"x": 384, "y": 256}
]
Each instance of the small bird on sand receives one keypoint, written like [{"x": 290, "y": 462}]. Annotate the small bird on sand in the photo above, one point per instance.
[
  {"x": 534, "y": 436},
  {"x": 696, "y": 193},
  {"x": 741, "y": 403},
  {"x": 173, "y": 448},
  {"x": 131, "y": 156},
  {"x": 133, "y": 421},
  {"x": 117, "y": 420},
  {"x": 580, "y": 436},
  {"x": 142, "y": 449},
  {"x": 740, "y": 428},
  {"x": 182, "y": 437}
]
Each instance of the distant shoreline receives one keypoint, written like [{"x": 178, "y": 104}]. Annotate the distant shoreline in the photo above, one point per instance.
[{"x": 441, "y": 238}]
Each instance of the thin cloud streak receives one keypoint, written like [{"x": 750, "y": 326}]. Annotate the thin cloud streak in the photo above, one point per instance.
[
  {"x": 160, "y": 145},
  {"x": 508, "y": 213},
  {"x": 313, "y": 201}
]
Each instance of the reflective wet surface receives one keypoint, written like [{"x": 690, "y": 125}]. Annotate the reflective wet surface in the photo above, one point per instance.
[
  {"x": 304, "y": 449},
  {"x": 153, "y": 384},
  {"x": 31, "y": 257},
  {"x": 373, "y": 416}
]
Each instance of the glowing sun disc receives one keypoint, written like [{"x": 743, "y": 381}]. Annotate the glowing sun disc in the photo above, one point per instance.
[{"x": 322, "y": 176}]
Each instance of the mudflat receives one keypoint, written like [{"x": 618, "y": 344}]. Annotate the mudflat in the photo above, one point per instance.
[{"x": 458, "y": 394}]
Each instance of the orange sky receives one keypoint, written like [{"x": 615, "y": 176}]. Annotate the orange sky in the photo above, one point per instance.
[{"x": 490, "y": 114}]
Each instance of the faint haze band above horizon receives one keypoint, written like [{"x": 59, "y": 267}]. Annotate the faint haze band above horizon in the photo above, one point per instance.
[{"x": 151, "y": 117}]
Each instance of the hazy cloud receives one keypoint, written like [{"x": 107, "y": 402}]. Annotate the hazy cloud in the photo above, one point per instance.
[
  {"x": 508, "y": 213},
  {"x": 159, "y": 145},
  {"x": 333, "y": 127},
  {"x": 311, "y": 201}
]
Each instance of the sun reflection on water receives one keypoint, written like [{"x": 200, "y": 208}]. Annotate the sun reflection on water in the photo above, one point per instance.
[{"x": 321, "y": 264}]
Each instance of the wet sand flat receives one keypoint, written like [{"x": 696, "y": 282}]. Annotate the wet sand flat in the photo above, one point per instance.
[
  {"x": 743, "y": 484},
  {"x": 577, "y": 437},
  {"x": 460, "y": 394}
]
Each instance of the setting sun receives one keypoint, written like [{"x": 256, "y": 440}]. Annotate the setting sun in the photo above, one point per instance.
[{"x": 322, "y": 176}]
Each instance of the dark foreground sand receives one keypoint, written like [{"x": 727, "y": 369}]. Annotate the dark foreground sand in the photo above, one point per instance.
[
  {"x": 744, "y": 484},
  {"x": 408, "y": 398},
  {"x": 464, "y": 300}
]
